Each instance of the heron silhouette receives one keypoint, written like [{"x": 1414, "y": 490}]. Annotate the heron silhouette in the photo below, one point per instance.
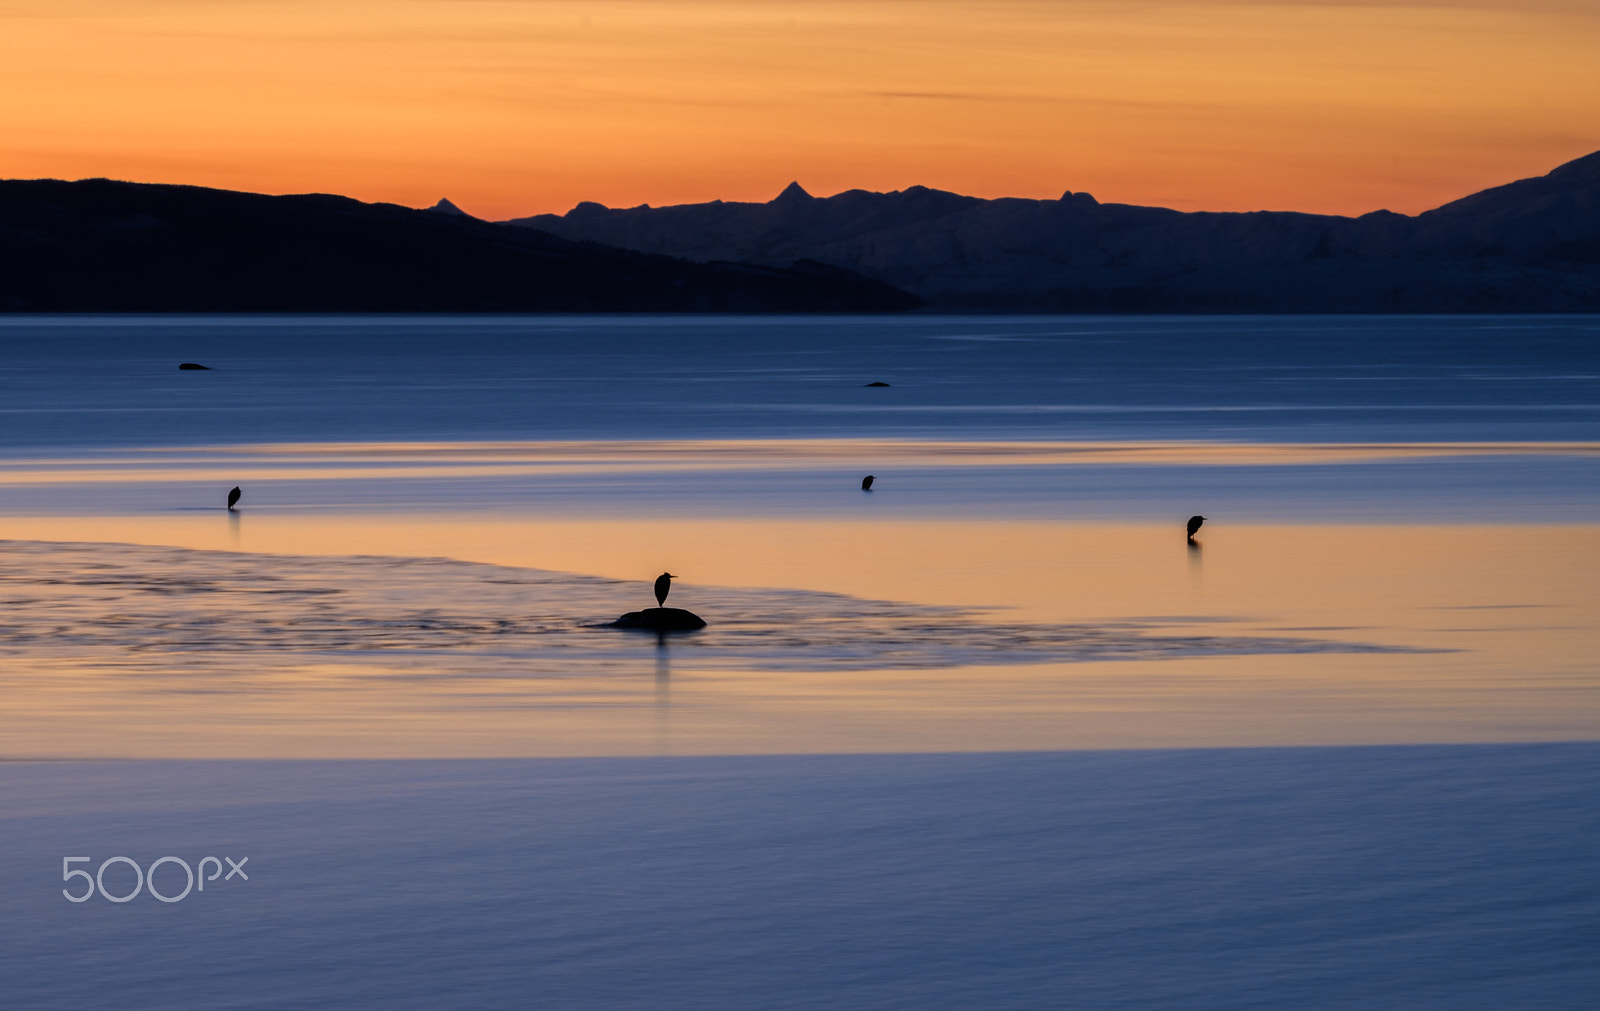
[
  {"x": 233, "y": 498},
  {"x": 866, "y": 483},
  {"x": 1194, "y": 524},
  {"x": 663, "y": 587}
]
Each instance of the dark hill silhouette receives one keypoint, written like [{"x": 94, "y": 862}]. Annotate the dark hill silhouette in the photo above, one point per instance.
[
  {"x": 99, "y": 245},
  {"x": 444, "y": 206},
  {"x": 1532, "y": 245}
]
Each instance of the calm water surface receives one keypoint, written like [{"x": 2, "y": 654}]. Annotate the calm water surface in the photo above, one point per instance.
[
  {"x": 1402, "y": 545},
  {"x": 1413, "y": 499},
  {"x": 112, "y": 381}
]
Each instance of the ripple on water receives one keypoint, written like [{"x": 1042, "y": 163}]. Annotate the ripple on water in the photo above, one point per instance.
[
  {"x": 135, "y": 607},
  {"x": 138, "y": 607}
]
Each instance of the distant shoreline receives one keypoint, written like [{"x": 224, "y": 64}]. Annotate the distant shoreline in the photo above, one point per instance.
[{"x": 1531, "y": 246}]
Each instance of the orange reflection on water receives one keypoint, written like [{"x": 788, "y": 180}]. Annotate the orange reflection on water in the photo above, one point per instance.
[{"x": 1512, "y": 608}]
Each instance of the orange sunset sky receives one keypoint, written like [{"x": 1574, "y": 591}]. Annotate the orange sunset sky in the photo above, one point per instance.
[{"x": 513, "y": 107}]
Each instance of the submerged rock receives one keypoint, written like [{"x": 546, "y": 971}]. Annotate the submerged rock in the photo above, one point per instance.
[{"x": 661, "y": 619}]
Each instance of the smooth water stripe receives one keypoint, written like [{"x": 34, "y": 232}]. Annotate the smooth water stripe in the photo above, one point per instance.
[
  {"x": 1294, "y": 482},
  {"x": 1435, "y": 879},
  {"x": 112, "y": 381},
  {"x": 347, "y": 460}
]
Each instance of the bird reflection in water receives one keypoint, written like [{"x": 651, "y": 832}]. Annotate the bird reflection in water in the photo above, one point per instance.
[
  {"x": 663, "y": 695},
  {"x": 663, "y": 671}
]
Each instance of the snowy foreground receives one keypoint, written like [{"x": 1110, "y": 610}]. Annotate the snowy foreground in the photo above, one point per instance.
[{"x": 1418, "y": 877}]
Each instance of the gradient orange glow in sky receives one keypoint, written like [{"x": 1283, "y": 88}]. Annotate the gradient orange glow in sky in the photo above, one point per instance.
[{"x": 513, "y": 107}]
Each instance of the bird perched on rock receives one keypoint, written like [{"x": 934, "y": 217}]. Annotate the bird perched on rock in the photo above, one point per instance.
[
  {"x": 1194, "y": 524},
  {"x": 866, "y": 483},
  {"x": 233, "y": 497},
  {"x": 663, "y": 587}
]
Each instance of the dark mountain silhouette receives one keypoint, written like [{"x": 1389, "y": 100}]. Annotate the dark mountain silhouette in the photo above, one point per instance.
[
  {"x": 104, "y": 246},
  {"x": 1532, "y": 245}
]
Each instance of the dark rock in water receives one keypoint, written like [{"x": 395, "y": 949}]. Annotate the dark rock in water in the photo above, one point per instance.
[
  {"x": 194, "y": 365},
  {"x": 877, "y": 384},
  {"x": 661, "y": 619}
]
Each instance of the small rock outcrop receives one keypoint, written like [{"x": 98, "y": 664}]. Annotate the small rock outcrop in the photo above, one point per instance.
[
  {"x": 190, "y": 366},
  {"x": 661, "y": 619}
]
